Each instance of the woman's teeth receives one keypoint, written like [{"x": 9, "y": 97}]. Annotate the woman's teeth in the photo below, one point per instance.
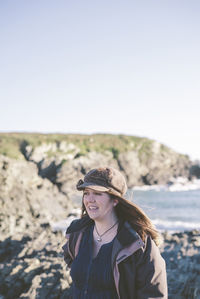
[{"x": 92, "y": 208}]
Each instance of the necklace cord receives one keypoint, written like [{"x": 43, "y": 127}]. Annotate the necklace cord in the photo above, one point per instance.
[{"x": 105, "y": 231}]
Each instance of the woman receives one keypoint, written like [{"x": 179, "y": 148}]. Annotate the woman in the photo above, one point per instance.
[{"x": 112, "y": 250}]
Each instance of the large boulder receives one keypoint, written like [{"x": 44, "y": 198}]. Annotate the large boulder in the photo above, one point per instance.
[
  {"x": 49, "y": 157},
  {"x": 132, "y": 168},
  {"x": 153, "y": 166},
  {"x": 26, "y": 199}
]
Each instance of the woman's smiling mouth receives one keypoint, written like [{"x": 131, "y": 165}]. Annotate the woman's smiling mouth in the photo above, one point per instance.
[{"x": 92, "y": 208}]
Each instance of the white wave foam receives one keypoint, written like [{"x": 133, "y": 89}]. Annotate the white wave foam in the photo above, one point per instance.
[
  {"x": 180, "y": 184},
  {"x": 63, "y": 224},
  {"x": 163, "y": 225},
  {"x": 149, "y": 188}
]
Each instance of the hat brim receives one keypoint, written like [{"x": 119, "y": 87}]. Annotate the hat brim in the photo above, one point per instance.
[
  {"x": 99, "y": 188},
  {"x": 93, "y": 187}
]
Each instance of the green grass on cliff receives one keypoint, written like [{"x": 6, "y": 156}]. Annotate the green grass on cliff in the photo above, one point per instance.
[{"x": 11, "y": 143}]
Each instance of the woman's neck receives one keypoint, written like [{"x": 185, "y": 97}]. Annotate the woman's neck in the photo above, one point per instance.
[{"x": 104, "y": 224}]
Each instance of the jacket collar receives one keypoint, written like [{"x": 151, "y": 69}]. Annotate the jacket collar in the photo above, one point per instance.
[{"x": 126, "y": 234}]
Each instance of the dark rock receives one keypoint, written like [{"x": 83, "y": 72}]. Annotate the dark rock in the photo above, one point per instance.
[
  {"x": 34, "y": 268},
  {"x": 183, "y": 268},
  {"x": 195, "y": 171}
]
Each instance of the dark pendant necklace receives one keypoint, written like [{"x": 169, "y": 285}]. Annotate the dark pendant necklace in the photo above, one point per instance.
[{"x": 99, "y": 239}]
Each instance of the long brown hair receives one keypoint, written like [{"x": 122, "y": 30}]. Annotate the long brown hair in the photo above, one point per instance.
[{"x": 128, "y": 211}]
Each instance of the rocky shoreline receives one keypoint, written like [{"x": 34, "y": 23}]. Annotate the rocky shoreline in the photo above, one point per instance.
[
  {"x": 32, "y": 266},
  {"x": 181, "y": 252},
  {"x": 37, "y": 190}
]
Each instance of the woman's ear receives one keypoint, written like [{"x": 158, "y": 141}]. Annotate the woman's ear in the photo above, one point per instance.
[{"x": 115, "y": 202}]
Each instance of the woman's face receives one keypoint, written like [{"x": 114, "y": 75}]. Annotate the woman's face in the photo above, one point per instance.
[{"x": 99, "y": 205}]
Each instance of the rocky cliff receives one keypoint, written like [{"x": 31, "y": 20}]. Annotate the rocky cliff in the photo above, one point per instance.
[{"x": 64, "y": 158}]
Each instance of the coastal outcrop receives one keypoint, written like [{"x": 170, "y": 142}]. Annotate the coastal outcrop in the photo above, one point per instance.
[
  {"x": 38, "y": 176},
  {"x": 62, "y": 159}
]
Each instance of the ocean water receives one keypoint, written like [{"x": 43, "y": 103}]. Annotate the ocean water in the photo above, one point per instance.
[{"x": 170, "y": 211}]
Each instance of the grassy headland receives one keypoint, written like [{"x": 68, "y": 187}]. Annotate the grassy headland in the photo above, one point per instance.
[{"x": 12, "y": 143}]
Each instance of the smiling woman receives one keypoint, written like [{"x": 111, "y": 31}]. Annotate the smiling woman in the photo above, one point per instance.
[
  {"x": 112, "y": 250},
  {"x": 99, "y": 205}
]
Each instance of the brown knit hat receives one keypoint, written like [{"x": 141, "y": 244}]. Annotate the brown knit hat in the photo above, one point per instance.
[{"x": 105, "y": 179}]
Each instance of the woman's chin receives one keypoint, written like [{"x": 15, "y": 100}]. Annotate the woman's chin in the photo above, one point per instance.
[{"x": 93, "y": 215}]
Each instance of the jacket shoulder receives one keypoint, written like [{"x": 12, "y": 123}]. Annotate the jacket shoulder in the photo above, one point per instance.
[
  {"x": 73, "y": 235},
  {"x": 72, "y": 226},
  {"x": 78, "y": 224},
  {"x": 69, "y": 247},
  {"x": 149, "y": 248}
]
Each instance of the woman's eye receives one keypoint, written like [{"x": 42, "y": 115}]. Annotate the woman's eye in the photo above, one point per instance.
[
  {"x": 98, "y": 193},
  {"x": 95, "y": 193}
]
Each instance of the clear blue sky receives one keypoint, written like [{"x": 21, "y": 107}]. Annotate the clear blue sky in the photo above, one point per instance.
[{"x": 130, "y": 67}]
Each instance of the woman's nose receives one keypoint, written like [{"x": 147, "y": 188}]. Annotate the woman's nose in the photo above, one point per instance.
[{"x": 91, "y": 198}]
